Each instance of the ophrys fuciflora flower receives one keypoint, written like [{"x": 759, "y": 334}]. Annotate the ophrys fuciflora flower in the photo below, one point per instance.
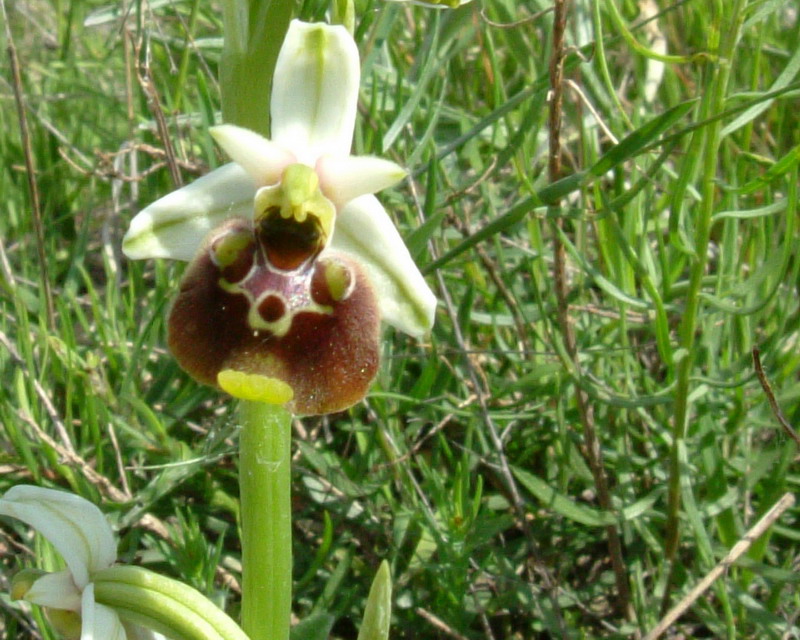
[{"x": 293, "y": 262}]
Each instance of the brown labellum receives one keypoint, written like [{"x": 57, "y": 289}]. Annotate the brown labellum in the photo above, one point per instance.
[
  {"x": 288, "y": 243},
  {"x": 315, "y": 326}
]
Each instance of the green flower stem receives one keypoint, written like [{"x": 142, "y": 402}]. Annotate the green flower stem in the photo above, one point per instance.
[
  {"x": 254, "y": 32},
  {"x": 709, "y": 140},
  {"x": 266, "y": 512},
  {"x": 163, "y": 604}
]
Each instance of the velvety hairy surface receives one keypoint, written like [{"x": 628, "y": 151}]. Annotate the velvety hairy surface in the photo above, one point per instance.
[{"x": 315, "y": 327}]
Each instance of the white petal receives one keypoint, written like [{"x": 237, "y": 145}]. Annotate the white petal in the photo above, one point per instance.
[
  {"x": 74, "y": 526},
  {"x": 55, "y": 590},
  {"x": 175, "y": 225},
  {"x": 315, "y": 91},
  {"x": 262, "y": 159},
  {"x": 364, "y": 229},
  {"x": 136, "y": 632},
  {"x": 347, "y": 177},
  {"x": 99, "y": 622}
]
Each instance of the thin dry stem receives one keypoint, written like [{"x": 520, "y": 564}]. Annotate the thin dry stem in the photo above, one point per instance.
[
  {"x": 123, "y": 477},
  {"x": 30, "y": 169},
  {"x": 483, "y": 393},
  {"x": 439, "y": 624},
  {"x": 47, "y": 403},
  {"x": 592, "y": 451},
  {"x": 517, "y": 23},
  {"x": 103, "y": 484},
  {"x": 494, "y": 273},
  {"x": 741, "y": 547},
  {"x": 773, "y": 403},
  {"x": 154, "y": 104}
]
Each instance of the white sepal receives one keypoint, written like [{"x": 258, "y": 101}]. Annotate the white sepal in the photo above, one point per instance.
[
  {"x": 263, "y": 159},
  {"x": 57, "y": 590},
  {"x": 74, "y": 526},
  {"x": 136, "y": 632},
  {"x": 344, "y": 178},
  {"x": 174, "y": 226},
  {"x": 99, "y": 622},
  {"x": 315, "y": 91},
  {"x": 364, "y": 230}
]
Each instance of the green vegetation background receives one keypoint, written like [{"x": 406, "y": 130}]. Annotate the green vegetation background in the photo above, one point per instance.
[{"x": 466, "y": 467}]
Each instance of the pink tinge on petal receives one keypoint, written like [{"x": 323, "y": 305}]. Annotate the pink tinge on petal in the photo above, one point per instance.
[
  {"x": 262, "y": 159},
  {"x": 343, "y": 178}
]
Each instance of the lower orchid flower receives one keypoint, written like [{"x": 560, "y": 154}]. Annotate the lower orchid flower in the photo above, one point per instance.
[
  {"x": 94, "y": 598},
  {"x": 80, "y": 533},
  {"x": 293, "y": 263}
]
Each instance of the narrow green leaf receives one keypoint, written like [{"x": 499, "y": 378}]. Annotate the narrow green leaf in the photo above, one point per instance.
[
  {"x": 760, "y": 10},
  {"x": 561, "y": 504},
  {"x": 496, "y": 226},
  {"x": 432, "y": 62},
  {"x": 599, "y": 279},
  {"x": 744, "y": 214},
  {"x": 378, "y": 612},
  {"x": 633, "y": 143},
  {"x": 782, "y": 81},
  {"x": 777, "y": 170},
  {"x": 316, "y": 627},
  {"x": 640, "y": 507}
]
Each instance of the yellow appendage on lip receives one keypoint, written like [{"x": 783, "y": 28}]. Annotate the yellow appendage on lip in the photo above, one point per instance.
[
  {"x": 297, "y": 196},
  {"x": 229, "y": 247},
  {"x": 254, "y": 387}
]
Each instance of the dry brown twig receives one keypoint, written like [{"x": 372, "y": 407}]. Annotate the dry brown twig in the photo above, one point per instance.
[
  {"x": 741, "y": 547},
  {"x": 773, "y": 403},
  {"x": 516, "y": 23},
  {"x": 154, "y": 103},
  {"x": 439, "y": 624},
  {"x": 30, "y": 168},
  {"x": 592, "y": 451},
  {"x": 47, "y": 403},
  {"x": 755, "y": 532},
  {"x": 503, "y": 468},
  {"x": 104, "y": 485}
]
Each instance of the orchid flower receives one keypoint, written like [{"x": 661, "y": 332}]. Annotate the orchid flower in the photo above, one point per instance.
[
  {"x": 294, "y": 263},
  {"x": 80, "y": 533}
]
